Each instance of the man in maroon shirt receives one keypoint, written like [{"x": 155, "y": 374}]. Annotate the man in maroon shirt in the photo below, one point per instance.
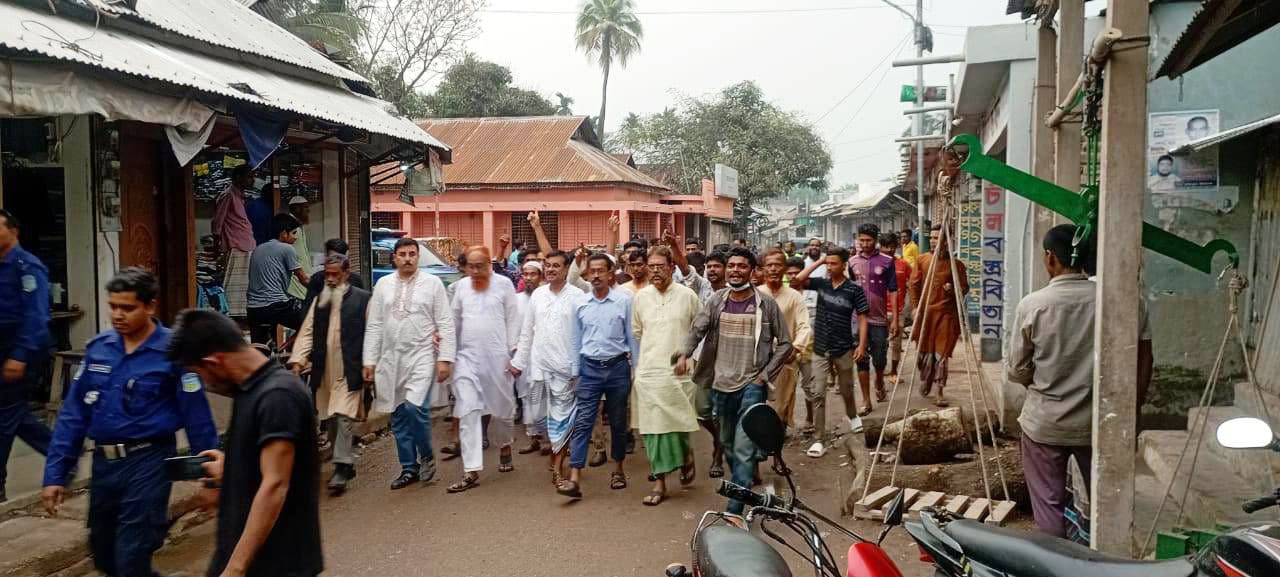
[
  {"x": 875, "y": 273},
  {"x": 902, "y": 273}
]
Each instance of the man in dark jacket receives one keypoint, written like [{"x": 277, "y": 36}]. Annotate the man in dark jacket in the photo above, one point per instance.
[
  {"x": 330, "y": 346},
  {"x": 747, "y": 342},
  {"x": 316, "y": 284}
]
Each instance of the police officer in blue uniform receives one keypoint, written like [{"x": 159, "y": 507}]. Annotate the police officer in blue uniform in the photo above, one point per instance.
[
  {"x": 130, "y": 400},
  {"x": 24, "y": 342}
]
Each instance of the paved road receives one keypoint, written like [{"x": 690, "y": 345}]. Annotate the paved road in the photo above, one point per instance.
[{"x": 515, "y": 524}]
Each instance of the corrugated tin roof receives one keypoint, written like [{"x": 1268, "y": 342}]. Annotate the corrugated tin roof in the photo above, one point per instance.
[
  {"x": 527, "y": 150},
  {"x": 233, "y": 25},
  {"x": 1216, "y": 28},
  {"x": 1225, "y": 135},
  {"x": 119, "y": 51}
]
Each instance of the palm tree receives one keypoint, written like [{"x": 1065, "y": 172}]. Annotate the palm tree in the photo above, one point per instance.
[
  {"x": 608, "y": 29},
  {"x": 329, "y": 25},
  {"x": 565, "y": 106}
]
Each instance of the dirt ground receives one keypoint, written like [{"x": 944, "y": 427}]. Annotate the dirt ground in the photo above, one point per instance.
[{"x": 516, "y": 524}]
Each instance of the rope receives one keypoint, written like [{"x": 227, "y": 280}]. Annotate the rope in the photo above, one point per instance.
[{"x": 1199, "y": 425}]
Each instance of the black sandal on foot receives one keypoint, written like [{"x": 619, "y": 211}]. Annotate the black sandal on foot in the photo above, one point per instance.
[
  {"x": 468, "y": 482},
  {"x": 533, "y": 446},
  {"x": 617, "y": 481},
  {"x": 451, "y": 451},
  {"x": 504, "y": 464},
  {"x": 688, "y": 472},
  {"x": 569, "y": 489},
  {"x": 717, "y": 469}
]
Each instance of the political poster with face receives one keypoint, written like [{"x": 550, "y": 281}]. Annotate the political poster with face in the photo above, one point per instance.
[{"x": 1185, "y": 180}]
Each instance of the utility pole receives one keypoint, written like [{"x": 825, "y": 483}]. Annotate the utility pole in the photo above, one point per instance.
[
  {"x": 1066, "y": 163},
  {"x": 1115, "y": 372},
  {"x": 1041, "y": 135},
  {"x": 920, "y": 32},
  {"x": 921, "y": 213}
]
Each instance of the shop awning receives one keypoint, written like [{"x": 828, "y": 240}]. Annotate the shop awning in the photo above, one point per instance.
[
  {"x": 1225, "y": 135},
  {"x": 114, "y": 50},
  {"x": 1220, "y": 25}
]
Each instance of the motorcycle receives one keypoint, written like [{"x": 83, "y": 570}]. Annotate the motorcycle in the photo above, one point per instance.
[
  {"x": 723, "y": 545},
  {"x": 962, "y": 548}
]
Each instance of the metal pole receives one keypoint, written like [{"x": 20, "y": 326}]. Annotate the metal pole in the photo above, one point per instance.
[{"x": 921, "y": 212}]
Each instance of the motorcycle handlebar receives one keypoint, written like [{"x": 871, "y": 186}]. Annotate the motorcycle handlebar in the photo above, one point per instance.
[
  {"x": 1259, "y": 504},
  {"x": 751, "y": 498}
]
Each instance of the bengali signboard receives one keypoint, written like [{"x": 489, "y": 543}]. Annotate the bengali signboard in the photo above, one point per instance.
[
  {"x": 992, "y": 317},
  {"x": 970, "y": 224}
]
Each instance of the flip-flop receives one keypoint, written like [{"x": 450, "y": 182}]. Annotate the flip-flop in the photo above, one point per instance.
[
  {"x": 654, "y": 498},
  {"x": 717, "y": 469},
  {"x": 816, "y": 450},
  {"x": 504, "y": 464},
  {"x": 617, "y": 481},
  {"x": 688, "y": 472},
  {"x": 598, "y": 458},
  {"x": 881, "y": 394},
  {"x": 451, "y": 451},
  {"x": 569, "y": 489},
  {"x": 866, "y": 411},
  {"x": 467, "y": 483},
  {"x": 532, "y": 447}
]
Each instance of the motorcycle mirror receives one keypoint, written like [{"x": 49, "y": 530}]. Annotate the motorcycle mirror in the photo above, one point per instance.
[
  {"x": 893, "y": 515},
  {"x": 1246, "y": 433},
  {"x": 762, "y": 425}
]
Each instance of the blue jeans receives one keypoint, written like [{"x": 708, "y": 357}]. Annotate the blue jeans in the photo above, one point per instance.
[
  {"x": 411, "y": 426},
  {"x": 741, "y": 453},
  {"x": 16, "y": 421},
  {"x": 614, "y": 384},
  {"x": 129, "y": 511}
]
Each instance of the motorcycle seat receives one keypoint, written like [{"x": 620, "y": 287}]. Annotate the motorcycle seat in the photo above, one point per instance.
[
  {"x": 1034, "y": 554},
  {"x": 725, "y": 551}
]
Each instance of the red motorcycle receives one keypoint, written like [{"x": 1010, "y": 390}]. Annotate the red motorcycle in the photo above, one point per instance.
[{"x": 724, "y": 546}]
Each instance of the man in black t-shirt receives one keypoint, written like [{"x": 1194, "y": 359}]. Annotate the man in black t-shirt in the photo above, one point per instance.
[
  {"x": 269, "y": 509},
  {"x": 842, "y": 305}
]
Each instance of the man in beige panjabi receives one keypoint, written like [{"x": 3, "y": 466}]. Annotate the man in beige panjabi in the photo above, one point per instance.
[{"x": 330, "y": 345}]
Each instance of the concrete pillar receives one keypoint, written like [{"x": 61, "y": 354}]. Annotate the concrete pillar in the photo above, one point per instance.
[
  {"x": 1042, "y": 138},
  {"x": 1124, "y": 116},
  {"x": 624, "y": 226},
  {"x": 490, "y": 238},
  {"x": 1066, "y": 166}
]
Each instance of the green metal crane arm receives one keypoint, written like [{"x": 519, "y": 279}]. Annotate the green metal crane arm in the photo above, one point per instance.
[{"x": 1082, "y": 210}]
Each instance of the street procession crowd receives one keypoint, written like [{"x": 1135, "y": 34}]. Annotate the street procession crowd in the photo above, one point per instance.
[{"x": 593, "y": 353}]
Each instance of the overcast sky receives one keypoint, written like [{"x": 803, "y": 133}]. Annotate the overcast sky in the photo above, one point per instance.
[{"x": 807, "y": 55}]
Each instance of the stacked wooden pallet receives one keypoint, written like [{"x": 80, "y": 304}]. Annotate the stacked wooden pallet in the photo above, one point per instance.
[{"x": 874, "y": 505}]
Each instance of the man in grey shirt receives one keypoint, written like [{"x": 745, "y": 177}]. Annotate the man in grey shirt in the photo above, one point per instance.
[
  {"x": 1052, "y": 355},
  {"x": 271, "y": 267}
]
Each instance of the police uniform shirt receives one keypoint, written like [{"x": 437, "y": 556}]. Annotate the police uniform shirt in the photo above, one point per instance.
[
  {"x": 128, "y": 398},
  {"x": 24, "y": 318}
]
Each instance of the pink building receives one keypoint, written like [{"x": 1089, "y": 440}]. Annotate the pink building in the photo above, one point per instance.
[{"x": 503, "y": 168}]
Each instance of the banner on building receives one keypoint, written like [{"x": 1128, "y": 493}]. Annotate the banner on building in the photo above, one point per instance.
[
  {"x": 970, "y": 234},
  {"x": 1187, "y": 180},
  {"x": 931, "y": 93},
  {"x": 992, "y": 295}
]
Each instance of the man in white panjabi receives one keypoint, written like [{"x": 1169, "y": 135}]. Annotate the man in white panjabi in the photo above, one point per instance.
[
  {"x": 535, "y": 406},
  {"x": 408, "y": 309},
  {"x": 487, "y": 320},
  {"x": 545, "y": 356}
]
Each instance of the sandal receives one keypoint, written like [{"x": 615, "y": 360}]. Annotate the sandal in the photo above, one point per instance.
[
  {"x": 504, "y": 464},
  {"x": 533, "y": 446},
  {"x": 688, "y": 472},
  {"x": 617, "y": 481},
  {"x": 940, "y": 403},
  {"x": 569, "y": 489},
  {"x": 881, "y": 394},
  {"x": 598, "y": 457},
  {"x": 865, "y": 411},
  {"x": 654, "y": 498},
  {"x": 469, "y": 481},
  {"x": 717, "y": 467},
  {"x": 556, "y": 478},
  {"x": 451, "y": 451}
]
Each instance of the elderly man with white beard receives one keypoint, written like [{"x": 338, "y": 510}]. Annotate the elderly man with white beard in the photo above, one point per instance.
[
  {"x": 407, "y": 311},
  {"x": 330, "y": 345},
  {"x": 487, "y": 320}
]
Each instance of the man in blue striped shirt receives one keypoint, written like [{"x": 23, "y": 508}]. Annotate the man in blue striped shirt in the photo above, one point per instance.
[{"x": 602, "y": 335}]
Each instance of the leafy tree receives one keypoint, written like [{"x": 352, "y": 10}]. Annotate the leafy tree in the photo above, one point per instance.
[
  {"x": 475, "y": 88},
  {"x": 329, "y": 24},
  {"x": 608, "y": 29},
  {"x": 773, "y": 150},
  {"x": 404, "y": 42}
]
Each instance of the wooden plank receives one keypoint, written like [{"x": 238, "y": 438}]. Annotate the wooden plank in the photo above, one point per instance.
[
  {"x": 1120, "y": 208},
  {"x": 908, "y": 497},
  {"x": 874, "y": 500},
  {"x": 956, "y": 504},
  {"x": 977, "y": 510},
  {"x": 1000, "y": 511},
  {"x": 930, "y": 499}
]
